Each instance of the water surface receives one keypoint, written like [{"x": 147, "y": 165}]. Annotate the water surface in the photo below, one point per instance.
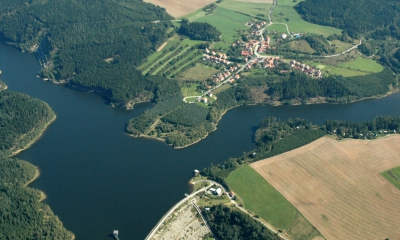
[{"x": 98, "y": 179}]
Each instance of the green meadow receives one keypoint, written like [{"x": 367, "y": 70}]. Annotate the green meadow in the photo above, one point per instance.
[
  {"x": 363, "y": 64},
  {"x": 393, "y": 176},
  {"x": 226, "y": 21},
  {"x": 252, "y": 9},
  {"x": 287, "y": 14},
  {"x": 261, "y": 198}
]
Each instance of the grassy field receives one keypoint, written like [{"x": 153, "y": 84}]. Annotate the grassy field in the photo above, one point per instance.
[
  {"x": 297, "y": 24},
  {"x": 301, "y": 46},
  {"x": 336, "y": 185},
  {"x": 197, "y": 58},
  {"x": 169, "y": 59},
  {"x": 288, "y": 2},
  {"x": 171, "y": 42},
  {"x": 222, "y": 88},
  {"x": 199, "y": 72},
  {"x": 393, "y": 176},
  {"x": 280, "y": 28},
  {"x": 190, "y": 91},
  {"x": 250, "y": 8},
  {"x": 345, "y": 72},
  {"x": 363, "y": 64},
  {"x": 261, "y": 198},
  {"x": 341, "y": 46},
  {"x": 213, "y": 200},
  {"x": 226, "y": 21}
]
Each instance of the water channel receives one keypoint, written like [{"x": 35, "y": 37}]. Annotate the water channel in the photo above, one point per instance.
[{"x": 98, "y": 179}]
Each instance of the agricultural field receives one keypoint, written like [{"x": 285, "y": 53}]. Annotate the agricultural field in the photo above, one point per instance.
[
  {"x": 337, "y": 186},
  {"x": 227, "y": 22},
  {"x": 190, "y": 91},
  {"x": 199, "y": 72},
  {"x": 257, "y": 9},
  {"x": 262, "y": 199},
  {"x": 287, "y": 14},
  {"x": 279, "y": 28},
  {"x": 177, "y": 8}
]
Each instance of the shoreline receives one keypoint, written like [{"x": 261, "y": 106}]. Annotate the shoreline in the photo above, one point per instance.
[
  {"x": 277, "y": 103},
  {"x": 35, "y": 138}
]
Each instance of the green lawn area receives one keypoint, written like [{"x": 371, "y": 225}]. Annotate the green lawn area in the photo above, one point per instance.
[
  {"x": 169, "y": 59},
  {"x": 341, "y": 46},
  {"x": 213, "y": 200},
  {"x": 248, "y": 7},
  {"x": 195, "y": 15},
  {"x": 186, "y": 64},
  {"x": 343, "y": 71},
  {"x": 171, "y": 42},
  {"x": 199, "y": 72},
  {"x": 280, "y": 28},
  {"x": 288, "y": 2},
  {"x": 393, "y": 176},
  {"x": 363, "y": 64},
  {"x": 297, "y": 24},
  {"x": 301, "y": 46},
  {"x": 226, "y": 21},
  {"x": 261, "y": 198},
  {"x": 190, "y": 91},
  {"x": 190, "y": 42},
  {"x": 222, "y": 88}
]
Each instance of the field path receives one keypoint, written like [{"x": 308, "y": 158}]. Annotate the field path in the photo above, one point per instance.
[{"x": 337, "y": 186}]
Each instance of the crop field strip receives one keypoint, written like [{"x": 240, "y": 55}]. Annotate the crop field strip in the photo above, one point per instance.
[
  {"x": 179, "y": 69},
  {"x": 182, "y": 61},
  {"x": 338, "y": 188},
  {"x": 178, "y": 8}
]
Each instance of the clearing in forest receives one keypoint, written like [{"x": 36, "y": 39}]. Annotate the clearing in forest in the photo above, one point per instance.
[
  {"x": 337, "y": 186},
  {"x": 178, "y": 8}
]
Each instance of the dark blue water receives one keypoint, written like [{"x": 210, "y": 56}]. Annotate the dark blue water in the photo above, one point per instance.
[{"x": 98, "y": 179}]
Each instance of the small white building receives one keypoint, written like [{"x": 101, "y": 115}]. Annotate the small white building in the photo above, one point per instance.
[{"x": 284, "y": 36}]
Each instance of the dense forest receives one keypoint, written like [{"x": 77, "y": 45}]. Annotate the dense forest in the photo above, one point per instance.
[
  {"x": 230, "y": 224},
  {"x": 73, "y": 40},
  {"x": 199, "y": 31},
  {"x": 23, "y": 216},
  {"x": 355, "y": 17},
  {"x": 22, "y": 119},
  {"x": 295, "y": 87}
]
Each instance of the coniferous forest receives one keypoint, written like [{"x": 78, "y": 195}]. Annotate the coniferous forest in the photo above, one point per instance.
[{"x": 73, "y": 40}]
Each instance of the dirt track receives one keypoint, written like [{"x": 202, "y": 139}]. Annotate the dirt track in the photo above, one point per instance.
[
  {"x": 179, "y": 8},
  {"x": 338, "y": 188}
]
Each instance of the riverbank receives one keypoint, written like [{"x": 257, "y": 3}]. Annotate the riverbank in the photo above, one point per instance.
[{"x": 39, "y": 128}]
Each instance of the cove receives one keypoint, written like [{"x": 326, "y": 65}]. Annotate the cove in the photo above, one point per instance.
[{"x": 98, "y": 179}]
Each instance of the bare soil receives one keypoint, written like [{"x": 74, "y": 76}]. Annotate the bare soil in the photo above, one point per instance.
[
  {"x": 255, "y": 1},
  {"x": 337, "y": 186},
  {"x": 178, "y": 8}
]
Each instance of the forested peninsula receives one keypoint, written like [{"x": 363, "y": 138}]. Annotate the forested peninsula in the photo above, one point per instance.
[
  {"x": 22, "y": 120},
  {"x": 91, "y": 45}
]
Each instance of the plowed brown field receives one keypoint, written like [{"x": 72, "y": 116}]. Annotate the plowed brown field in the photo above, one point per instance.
[
  {"x": 179, "y": 8},
  {"x": 337, "y": 186}
]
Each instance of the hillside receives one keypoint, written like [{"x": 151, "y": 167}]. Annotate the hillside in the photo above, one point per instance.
[
  {"x": 22, "y": 120},
  {"x": 93, "y": 45},
  {"x": 352, "y": 16}
]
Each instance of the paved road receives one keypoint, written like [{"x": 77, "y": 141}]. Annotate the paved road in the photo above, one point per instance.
[{"x": 157, "y": 226}]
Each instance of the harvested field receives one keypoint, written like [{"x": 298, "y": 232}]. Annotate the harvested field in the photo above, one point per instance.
[
  {"x": 255, "y": 1},
  {"x": 177, "y": 8},
  {"x": 337, "y": 186}
]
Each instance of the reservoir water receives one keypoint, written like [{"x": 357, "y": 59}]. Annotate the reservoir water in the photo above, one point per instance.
[{"x": 98, "y": 179}]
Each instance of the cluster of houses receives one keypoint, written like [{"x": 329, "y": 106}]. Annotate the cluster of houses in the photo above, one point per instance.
[
  {"x": 256, "y": 26},
  {"x": 262, "y": 46},
  {"x": 215, "y": 57},
  {"x": 268, "y": 62},
  {"x": 227, "y": 74},
  {"x": 306, "y": 69}
]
